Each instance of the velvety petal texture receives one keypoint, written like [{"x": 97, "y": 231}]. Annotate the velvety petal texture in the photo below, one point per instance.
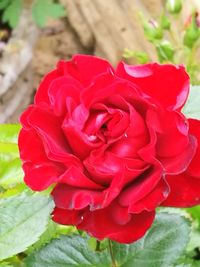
[{"x": 113, "y": 144}]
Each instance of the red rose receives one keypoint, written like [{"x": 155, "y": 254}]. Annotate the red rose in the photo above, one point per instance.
[{"x": 114, "y": 143}]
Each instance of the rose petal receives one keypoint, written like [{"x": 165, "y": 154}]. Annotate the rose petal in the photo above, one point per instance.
[
  {"x": 180, "y": 162},
  {"x": 68, "y": 197},
  {"x": 84, "y": 68},
  {"x": 152, "y": 200},
  {"x": 40, "y": 176},
  {"x": 49, "y": 129},
  {"x": 27, "y": 137},
  {"x": 141, "y": 187},
  {"x": 42, "y": 92},
  {"x": 185, "y": 187},
  {"x": 80, "y": 143},
  {"x": 184, "y": 191},
  {"x": 194, "y": 167},
  {"x": 61, "y": 90},
  {"x": 115, "y": 223},
  {"x": 168, "y": 84},
  {"x": 75, "y": 177},
  {"x": 67, "y": 217}
]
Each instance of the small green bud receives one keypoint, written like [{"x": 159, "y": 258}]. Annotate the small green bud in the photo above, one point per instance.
[
  {"x": 165, "y": 51},
  {"x": 174, "y": 6},
  {"x": 192, "y": 33},
  {"x": 152, "y": 30},
  {"x": 164, "y": 22}
]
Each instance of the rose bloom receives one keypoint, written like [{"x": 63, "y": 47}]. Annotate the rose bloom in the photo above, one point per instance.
[{"x": 113, "y": 143}]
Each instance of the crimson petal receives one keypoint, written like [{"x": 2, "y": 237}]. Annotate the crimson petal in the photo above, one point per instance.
[
  {"x": 115, "y": 223},
  {"x": 168, "y": 84}
]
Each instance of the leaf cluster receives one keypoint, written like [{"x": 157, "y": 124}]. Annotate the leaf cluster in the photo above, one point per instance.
[{"x": 41, "y": 11}]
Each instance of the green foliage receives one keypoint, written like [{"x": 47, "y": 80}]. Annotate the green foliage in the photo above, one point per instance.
[
  {"x": 195, "y": 211},
  {"x": 9, "y": 133},
  {"x": 10, "y": 171},
  {"x": 23, "y": 219},
  {"x": 12, "y": 12},
  {"x": 53, "y": 231},
  {"x": 161, "y": 246},
  {"x": 5, "y": 264},
  {"x": 41, "y": 11},
  {"x": 4, "y": 4},
  {"x": 191, "y": 108},
  {"x": 68, "y": 251}
]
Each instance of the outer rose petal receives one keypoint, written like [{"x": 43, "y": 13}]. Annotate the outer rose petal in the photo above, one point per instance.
[
  {"x": 111, "y": 223},
  {"x": 194, "y": 167},
  {"x": 39, "y": 177},
  {"x": 68, "y": 197},
  {"x": 27, "y": 137},
  {"x": 185, "y": 191},
  {"x": 185, "y": 187},
  {"x": 84, "y": 68},
  {"x": 67, "y": 217},
  {"x": 168, "y": 84},
  {"x": 40, "y": 172},
  {"x": 42, "y": 92},
  {"x": 152, "y": 200}
]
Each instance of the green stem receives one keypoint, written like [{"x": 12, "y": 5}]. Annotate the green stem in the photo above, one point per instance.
[
  {"x": 98, "y": 244},
  {"x": 173, "y": 38},
  {"x": 111, "y": 253},
  {"x": 192, "y": 55}
]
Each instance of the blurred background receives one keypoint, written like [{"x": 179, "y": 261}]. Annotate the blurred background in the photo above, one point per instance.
[{"x": 35, "y": 34}]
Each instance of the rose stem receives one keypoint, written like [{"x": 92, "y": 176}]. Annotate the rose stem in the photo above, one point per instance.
[
  {"x": 111, "y": 253},
  {"x": 98, "y": 245}
]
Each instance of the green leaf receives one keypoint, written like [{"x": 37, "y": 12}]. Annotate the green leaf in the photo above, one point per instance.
[
  {"x": 163, "y": 244},
  {"x": 53, "y": 231},
  {"x": 68, "y": 251},
  {"x": 191, "y": 108},
  {"x": 161, "y": 247},
  {"x": 10, "y": 171},
  {"x": 9, "y": 133},
  {"x": 8, "y": 141},
  {"x": 44, "y": 9},
  {"x": 12, "y": 13},
  {"x": 3, "y": 5},
  {"x": 195, "y": 213},
  {"x": 23, "y": 219},
  {"x": 16, "y": 190},
  {"x": 5, "y": 264},
  {"x": 183, "y": 265}
]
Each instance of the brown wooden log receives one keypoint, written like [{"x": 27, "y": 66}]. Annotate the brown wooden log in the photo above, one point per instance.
[{"x": 15, "y": 70}]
